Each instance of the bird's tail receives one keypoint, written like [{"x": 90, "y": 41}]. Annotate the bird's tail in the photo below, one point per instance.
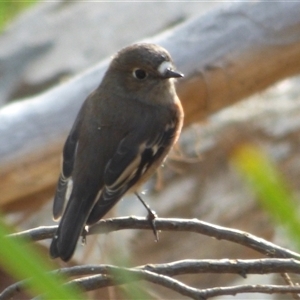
[{"x": 70, "y": 228}]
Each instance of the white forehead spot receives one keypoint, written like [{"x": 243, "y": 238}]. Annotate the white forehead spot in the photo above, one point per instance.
[{"x": 164, "y": 66}]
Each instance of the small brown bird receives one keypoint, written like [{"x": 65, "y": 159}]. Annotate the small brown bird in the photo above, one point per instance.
[{"x": 122, "y": 133}]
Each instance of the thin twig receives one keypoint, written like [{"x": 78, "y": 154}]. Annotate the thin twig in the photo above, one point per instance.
[
  {"x": 187, "y": 225},
  {"x": 13, "y": 290},
  {"x": 287, "y": 279},
  {"x": 99, "y": 276},
  {"x": 124, "y": 275},
  {"x": 242, "y": 289},
  {"x": 242, "y": 267}
]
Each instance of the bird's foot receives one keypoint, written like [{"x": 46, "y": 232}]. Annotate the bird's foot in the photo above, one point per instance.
[
  {"x": 84, "y": 234},
  {"x": 151, "y": 217}
]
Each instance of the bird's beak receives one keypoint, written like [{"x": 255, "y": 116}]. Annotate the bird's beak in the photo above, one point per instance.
[{"x": 172, "y": 74}]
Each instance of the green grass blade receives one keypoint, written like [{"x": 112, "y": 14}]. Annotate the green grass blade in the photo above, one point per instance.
[
  {"x": 270, "y": 187},
  {"x": 21, "y": 260},
  {"x": 10, "y": 8}
]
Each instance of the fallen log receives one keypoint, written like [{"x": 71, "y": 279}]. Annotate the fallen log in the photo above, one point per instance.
[{"x": 226, "y": 55}]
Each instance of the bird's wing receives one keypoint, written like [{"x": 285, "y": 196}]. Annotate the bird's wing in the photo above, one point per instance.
[
  {"x": 65, "y": 177},
  {"x": 134, "y": 156}
]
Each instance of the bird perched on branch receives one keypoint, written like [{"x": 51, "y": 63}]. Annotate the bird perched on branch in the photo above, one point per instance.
[{"x": 122, "y": 134}]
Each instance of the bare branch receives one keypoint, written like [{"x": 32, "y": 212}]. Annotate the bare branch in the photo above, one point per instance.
[
  {"x": 105, "y": 275},
  {"x": 243, "y": 289},
  {"x": 242, "y": 267},
  {"x": 13, "y": 290},
  {"x": 100, "y": 276},
  {"x": 36, "y": 234},
  {"x": 187, "y": 225},
  {"x": 193, "y": 225},
  {"x": 123, "y": 275}
]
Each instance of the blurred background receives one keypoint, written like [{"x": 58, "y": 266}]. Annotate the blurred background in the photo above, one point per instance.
[{"x": 44, "y": 44}]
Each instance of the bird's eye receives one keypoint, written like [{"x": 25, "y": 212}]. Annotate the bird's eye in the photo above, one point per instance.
[{"x": 139, "y": 74}]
